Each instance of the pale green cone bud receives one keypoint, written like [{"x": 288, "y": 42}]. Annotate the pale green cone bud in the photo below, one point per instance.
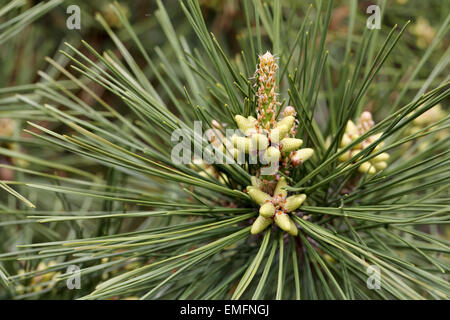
[
  {"x": 197, "y": 164},
  {"x": 345, "y": 156},
  {"x": 351, "y": 129},
  {"x": 293, "y": 231},
  {"x": 279, "y": 188},
  {"x": 241, "y": 143},
  {"x": 366, "y": 167},
  {"x": 281, "y": 129},
  {"x": 374, "y": 138},
  {"x": 302, "y": 155},
  {"x": 223, "y": 179},
  {"x": 259, "y": 141},
  {"x": 290, "y": 144},
  {"x": 260, "y": 224},
  {"x": 414, "y": 130},
  {"x": 349, "y": 154},
  {"x": 204, "y": 175},
  {"x": 287, "y": 121},
  {"x": 285, "y": 223},
  {"x": 378, "y": 147},
  {"x": 278, "y": 133},
  {"x": 256, "y": 182},
  {"x": 282, "y": 220},
  {"x": 272, "y": 155},
  {"x": 381, "y": 157},
  {"x": 430, "y": 116},
  {"x": 258, "y": 196},
  {"x": 293, "y": 202},
  {"x": 267, "y": 210},
  {"x": 244, "y": 124},
  {"x": 346, "y": 140},
  {"x": 381, "y": 165},
  {"x": 328, "y": 142}
]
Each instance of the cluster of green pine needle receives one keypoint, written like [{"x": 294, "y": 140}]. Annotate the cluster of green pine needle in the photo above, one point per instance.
[{"x": 87, "y": 178}]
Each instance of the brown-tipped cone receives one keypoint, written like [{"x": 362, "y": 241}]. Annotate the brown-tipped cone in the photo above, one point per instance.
[
  {"x": 290, "y": 144},
  {"x": 293, "y": 202},
  {"x": 258, "y": 196},
  {"x": 260, "y": 224},
  {"x": 279, "y": 188},
  {"x": 267, "y": 210}
]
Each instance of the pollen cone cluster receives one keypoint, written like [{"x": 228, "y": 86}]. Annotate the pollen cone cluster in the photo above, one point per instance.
[
  {"x": 275, "y": 208},
  {"x": 40, "y": 282},
  {"x": 271, "y": 139},
  {"x": 426, "y": 120},
  {"x": 353, "y": 132}
]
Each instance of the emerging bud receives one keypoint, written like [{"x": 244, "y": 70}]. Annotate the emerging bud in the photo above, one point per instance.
[
  {"x": 290, "y": 144},
  {"x": 267, "y": 210},
  {"x": 353, "y": 132},
  {"x": 365, "y": 122},
  {"x": 236, "y": 153},
  {"x": 430, "y": 116},
  {"x": 351, "y": 129},
  {"x": 278, "y": 133},
  {"x": 272, "y": 155},
  {"x": 244, "y": 124},
  {"x": 381, "y": 157},
  {"x": 300, "y": 156},
  {"x": 293, "y": 202},
  {"x": 258, "y": 196},
  {"x": 279, "y": 188},
  {"x": 367, "y": 167},
  {"x": 7, "y": 127},
  {"x": 259, "y": 142},
  {"x": 285, "y": 223},
  {"x": 282, "y": 129},
  {"x": 293, "y": 231},
  {"x": 256, "y": 182},
  {"x": 260, "y": 224},
  {"x": 289, "y": 111},
  {"x": 346, "y": 140},
  {"x": 241, "y": 143},
  {"x": 287, "y": 121}
]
